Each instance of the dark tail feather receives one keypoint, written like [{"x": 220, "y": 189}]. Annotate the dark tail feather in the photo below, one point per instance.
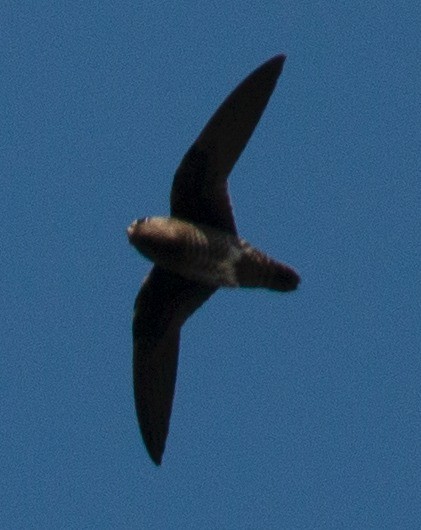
[{"x": 256, "y": 269}]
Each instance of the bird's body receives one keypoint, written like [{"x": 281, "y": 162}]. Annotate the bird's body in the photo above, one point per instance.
[
  {"x": 208, "y": 255},
  {"x": 195, "y": 251}
]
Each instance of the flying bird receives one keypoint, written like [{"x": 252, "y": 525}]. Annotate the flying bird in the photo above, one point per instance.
[{"x": 195, "y": 251}]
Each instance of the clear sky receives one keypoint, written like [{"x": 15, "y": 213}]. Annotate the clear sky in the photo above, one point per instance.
[{"x": 300, "y": 410}]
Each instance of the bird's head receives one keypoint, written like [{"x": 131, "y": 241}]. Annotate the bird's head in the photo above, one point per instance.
[{"x": 155, "y": 237}]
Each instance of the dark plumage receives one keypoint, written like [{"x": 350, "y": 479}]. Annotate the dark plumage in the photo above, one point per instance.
[{"x": 195, "y": 251}]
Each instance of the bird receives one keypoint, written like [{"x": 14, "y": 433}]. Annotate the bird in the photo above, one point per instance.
[{"x": 195, "y": 251}]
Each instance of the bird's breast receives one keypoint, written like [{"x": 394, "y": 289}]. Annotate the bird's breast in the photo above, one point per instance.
[{"x": 197, "y": 252}]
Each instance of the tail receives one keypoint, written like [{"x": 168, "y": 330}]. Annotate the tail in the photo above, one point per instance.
[{"x": 256, "y": 269}]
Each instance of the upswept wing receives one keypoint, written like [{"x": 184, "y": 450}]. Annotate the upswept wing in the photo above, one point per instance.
[
  {"x": 163, "y": 304},
  {"x": 200, "y": 192}
]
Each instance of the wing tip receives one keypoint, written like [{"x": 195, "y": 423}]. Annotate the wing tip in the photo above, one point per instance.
[
  {"x": 279, "y": 57},
  {"x": 155, "y": 451},
  {"x": 277, "y": 63},
  {"x": 157, "y": 459}
]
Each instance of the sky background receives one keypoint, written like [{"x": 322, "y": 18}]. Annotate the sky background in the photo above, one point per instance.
[{"x": 298, "y": 410}]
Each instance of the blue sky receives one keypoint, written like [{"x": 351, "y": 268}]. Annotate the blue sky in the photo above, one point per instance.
[{"x": 291, "y": 411}]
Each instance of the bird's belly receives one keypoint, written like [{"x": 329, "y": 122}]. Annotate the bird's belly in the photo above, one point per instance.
[
  {"x": 196, "y": 252},
  {"x": 205, "y": 258}
]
